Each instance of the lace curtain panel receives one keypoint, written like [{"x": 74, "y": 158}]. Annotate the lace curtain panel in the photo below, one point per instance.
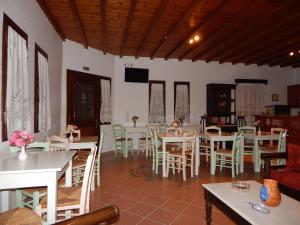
[
  {"x": 182, "y": 106},
  {"x": 250, "y": 100},
  {"x": 105, "y": 111},
  {"x": 156, "y": 108},
  {"x": 44, "y": 97},
  {"x": 17, "y": 91}
]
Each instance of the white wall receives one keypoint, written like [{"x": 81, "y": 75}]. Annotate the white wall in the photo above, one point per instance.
[
  {"x": 28, "y": 15},
  {"x": 132, "y": 98}
]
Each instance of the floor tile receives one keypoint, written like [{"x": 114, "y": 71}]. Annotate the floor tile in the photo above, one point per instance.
[
  {"x": 127, "y": 218},
  {"x": 174, "y": 205},
  {"x": 141, "y": 209},
  {"x": 163, "y": 215},
  {"x": 182, "y": 219}
]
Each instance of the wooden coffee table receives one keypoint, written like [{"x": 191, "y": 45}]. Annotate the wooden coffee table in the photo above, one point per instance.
[{"x": 236, "y": 205}]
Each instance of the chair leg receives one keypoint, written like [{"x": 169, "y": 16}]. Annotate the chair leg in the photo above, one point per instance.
[
  {"x": 168, "y": 165},
  {"x": 232, "y": 168},
  {"x": 35, "y": 200},
  {"x": 19, "y": 199},
  {"x": 206, "y": 150},
  {"x": 183, "y": 168},
  {"x": 156, "y": 164}
]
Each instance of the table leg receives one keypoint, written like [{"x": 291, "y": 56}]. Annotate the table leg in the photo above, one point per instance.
[
  {"x": 68, "y": 181},
  {"x": 164, "y": 159},
  {"x": 5, "y": 200},
  {"x": 52, "y": 198},
  {"x": 197, "y": 157},
  {"x": 256, "y": 156},
  {"x": 208, "y": 207},
  {"x": 212, "y": 158}
]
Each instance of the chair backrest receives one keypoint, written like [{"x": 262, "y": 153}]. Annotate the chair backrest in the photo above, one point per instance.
[
  {"x": 87, "y": 180},
  {"x": 247, "y": 129},
  {"x": 163, "y": 128},
  {"x": 212, "y": 129},
  {"x": 154, "y": 140},
  {"x": 57, "y": 143},
  {"x": 237, "y": 143},
  {"x": 38, "y": 144},
  {"x": 281, "y": 147},
  {"x": 118, "y": 131},
  {"x": 276, "y": 130},
  {"x": 189, "y": 143}
]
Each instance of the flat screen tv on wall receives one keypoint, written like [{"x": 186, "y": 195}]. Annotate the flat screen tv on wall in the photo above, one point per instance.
[{"x": 136, "y": 75}]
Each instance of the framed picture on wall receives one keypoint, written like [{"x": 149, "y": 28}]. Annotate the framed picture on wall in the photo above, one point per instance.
[{"x": 274, "y": 97}]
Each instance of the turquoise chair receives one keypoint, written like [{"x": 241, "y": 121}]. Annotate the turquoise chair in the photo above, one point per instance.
[
  {"x": 31, "y": 197},
  {"x": 119, "y": 135}
]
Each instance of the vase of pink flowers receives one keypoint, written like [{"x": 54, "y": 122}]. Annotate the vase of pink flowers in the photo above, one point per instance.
[
  {"x": 134, "y": 119},
  {"x": 21, "y": 138}
]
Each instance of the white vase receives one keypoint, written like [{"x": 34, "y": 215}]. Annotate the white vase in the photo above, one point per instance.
[
  {"x": 71, "y": 138},
  {"x": 22, "y": 155}
]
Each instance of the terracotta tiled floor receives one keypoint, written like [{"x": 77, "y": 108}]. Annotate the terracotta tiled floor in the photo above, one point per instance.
[{"x": 146, "y": 199}]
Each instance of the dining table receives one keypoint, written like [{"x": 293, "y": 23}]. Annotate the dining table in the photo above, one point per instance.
[
  {"x": 41, "y": 168},
  {"x": 176, "y": 138},
  {"x": 223, "y": 137},
  {"x": 134, "y": 130}
]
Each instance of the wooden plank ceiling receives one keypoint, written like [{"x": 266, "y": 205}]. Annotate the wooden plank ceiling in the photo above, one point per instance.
[{"x": 262, "y": 32}]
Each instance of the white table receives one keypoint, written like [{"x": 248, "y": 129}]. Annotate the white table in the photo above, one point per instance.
[
  {"x": 171, "y": 138},
  {"x": 223, "y": 137},
  {"x": 39, "y": 169},
  {"x": 262, "y": 136},
  {"x": 85, "y": 142},
  {"x": 135, "y": 130},
  {"x": 222, "y": 195}
]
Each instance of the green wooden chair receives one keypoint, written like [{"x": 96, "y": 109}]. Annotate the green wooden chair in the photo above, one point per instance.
[
  {"x": 229, "y": 158},
  {"x": 119, "y": 135},
  {"x": 30, "y": 197},
  {"x": 156, "y": 150},
  {"x": 248, "y": 142}
]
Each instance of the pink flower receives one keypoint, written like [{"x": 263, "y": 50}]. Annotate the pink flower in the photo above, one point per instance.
[
  {"x": 20, "y": 138},
  {"x": 20, "y": 142}
]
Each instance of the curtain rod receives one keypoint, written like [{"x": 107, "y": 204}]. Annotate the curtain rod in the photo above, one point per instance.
[{"x": 252, "y": 81}]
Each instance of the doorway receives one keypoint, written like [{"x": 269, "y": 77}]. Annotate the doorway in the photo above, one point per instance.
[{"x": 84, "y": 101}]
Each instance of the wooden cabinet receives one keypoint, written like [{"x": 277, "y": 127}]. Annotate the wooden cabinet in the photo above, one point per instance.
[
  {"x": 220, "y": 103},
  {"x": 294, "y": 95}
]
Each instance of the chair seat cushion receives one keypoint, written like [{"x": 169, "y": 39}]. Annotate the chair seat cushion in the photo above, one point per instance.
[
  {"x": 204, "y": 144},
  {"x": 266, "y": 149},
  {"x": 65, "y": 196},
  {"x": 287, "y": 177},
  {"x": 269, "y": 146},
  {"x": 20, "y": 216}
]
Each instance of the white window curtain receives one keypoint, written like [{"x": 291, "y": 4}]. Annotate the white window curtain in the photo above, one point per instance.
[
  {"x": 250, "y": 100},
  {"x": 105, "y": 111},
  {"x": 17, "y": 91},
  {"x": 182, "y": 105},
  {"x": 44, "y": 97},
  {"x": 156, "y": 107}
]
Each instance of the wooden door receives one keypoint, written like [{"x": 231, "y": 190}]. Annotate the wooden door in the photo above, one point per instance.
[{"x": 83, "y": 101}]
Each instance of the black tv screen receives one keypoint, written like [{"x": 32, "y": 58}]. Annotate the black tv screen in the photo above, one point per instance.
[{"x": 136, "y": 75}]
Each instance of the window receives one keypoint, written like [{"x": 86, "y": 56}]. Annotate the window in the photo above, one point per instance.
[
  {"x": 182, "y": 100},
  {"x": 157, "y": 101},
  {"x": 42, "y": 112},
  {"x": 15, "y": 90},
  {"x": 105, "y": 110}
]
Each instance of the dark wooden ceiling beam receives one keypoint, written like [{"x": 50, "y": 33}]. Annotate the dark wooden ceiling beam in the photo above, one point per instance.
[
  {"x": 268, "y": 54},
  {"x": 187, "y": 12},
  {"x": 294, "y": 60},
  {"x": 76, "y": 16},
  {"x": 51, "y": 19},
  {"x": 103, "y": 25},
  {"x": 127, "y": 26},
  {"x": 197, "y": 28},
  {"x": 236, "y": 37},
  {"x": 151, "y": 26},
  {"x": 259, "y": 36},
  {"x": 218, "y": 31}
]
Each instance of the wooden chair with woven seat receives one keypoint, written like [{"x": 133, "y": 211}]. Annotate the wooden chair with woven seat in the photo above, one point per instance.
[
  {"x": 119, "y": 135},
  {"x": 180, "y": 159},
  {"x": 272, "y": 144},
  {"x": 20, "y": 216},
  {"x": 280, "y": 147},
  {"x": 205, "y": 145},
  {"x": 30, "y": 197},
  {"x": 77, "y": 198},
  {"x": 248, "y": 142},
  {"x": 229, "y": 158}
]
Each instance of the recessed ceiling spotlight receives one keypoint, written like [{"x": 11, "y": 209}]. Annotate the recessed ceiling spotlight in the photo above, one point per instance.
[
  {"x": 196, "y": 38},
  {"x": 291, "y": 53},
  {"x": 299, "y": 51},
  {"x": 191, "y": 41}
]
